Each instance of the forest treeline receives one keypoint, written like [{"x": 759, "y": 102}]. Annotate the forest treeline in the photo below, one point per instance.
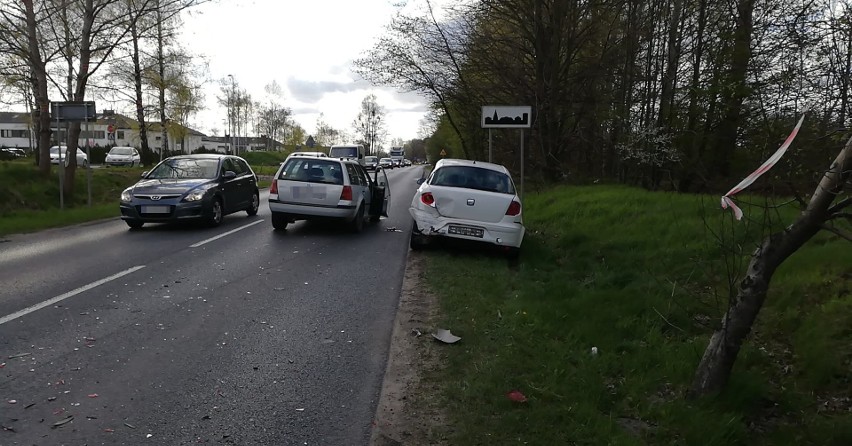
[{"x": 677, "y": 94}]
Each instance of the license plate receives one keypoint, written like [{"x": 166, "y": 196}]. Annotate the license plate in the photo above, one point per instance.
[
  {"x": 156, "y": 209},
  {"x": 464, "y": 230}
]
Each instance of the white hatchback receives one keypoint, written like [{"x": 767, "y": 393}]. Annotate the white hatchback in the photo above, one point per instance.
[
  {"x": 317, "y": 188},
  {"x": 123, "y": 156},
  {"x": 468, "y": 200}
]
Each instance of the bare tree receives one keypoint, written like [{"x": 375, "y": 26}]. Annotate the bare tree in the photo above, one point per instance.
[
  {"x": 369, "y": 126},
  {"x": 826, "y": 210}
]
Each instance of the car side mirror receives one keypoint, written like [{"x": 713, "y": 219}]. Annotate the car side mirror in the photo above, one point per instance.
[
  {"x": 144, "y": 173},
  {"x": 229, "y": 174},
  {"x": 421, "y": 180}
]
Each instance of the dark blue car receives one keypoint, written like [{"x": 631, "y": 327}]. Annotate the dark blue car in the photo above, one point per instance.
[{"x": 205, "y": 187}]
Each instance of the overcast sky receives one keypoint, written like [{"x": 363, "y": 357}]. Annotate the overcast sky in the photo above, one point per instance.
[{"x": 307, "y": 46}]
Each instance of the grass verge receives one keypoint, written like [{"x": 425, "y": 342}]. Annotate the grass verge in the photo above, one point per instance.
[
  {"x": 642, "y": 277},
  {"x": 30, "y": 202}
]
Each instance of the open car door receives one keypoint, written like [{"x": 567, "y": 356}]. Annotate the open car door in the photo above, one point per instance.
[{"x": 381, "y": 180}]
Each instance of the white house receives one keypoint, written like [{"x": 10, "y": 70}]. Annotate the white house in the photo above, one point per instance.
[{"x": 108, "y": 129}]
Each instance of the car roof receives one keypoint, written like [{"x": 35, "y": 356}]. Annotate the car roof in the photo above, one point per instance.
[
  {"x": 217, "y": 156},
  {"x": 471, "y": 163}
]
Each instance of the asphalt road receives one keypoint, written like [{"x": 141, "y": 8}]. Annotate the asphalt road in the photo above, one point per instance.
[{"x": 186, "y": 334}]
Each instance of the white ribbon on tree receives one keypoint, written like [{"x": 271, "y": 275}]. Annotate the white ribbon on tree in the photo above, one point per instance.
[{"x": 746, "y": 182}]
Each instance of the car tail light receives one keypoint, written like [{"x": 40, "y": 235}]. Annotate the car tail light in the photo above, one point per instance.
[
  {"x": 273, "y": 189},
  {"x": 427, "y": 199},
  {"x": 346, "y": 193},
  {"x": 514, "y": 209}
]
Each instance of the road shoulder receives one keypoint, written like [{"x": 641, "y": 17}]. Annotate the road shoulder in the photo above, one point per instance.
[{"x": 409, "y": 411}]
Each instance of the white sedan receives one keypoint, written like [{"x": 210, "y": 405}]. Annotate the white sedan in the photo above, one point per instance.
[
  {"x": 468, "y": 200},
  {"x": 82, "y": 159}
]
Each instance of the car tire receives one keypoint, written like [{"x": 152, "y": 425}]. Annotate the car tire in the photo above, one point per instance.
[
  {"x": 255, "y": 204},
  {"x": 216, "y": 213},
  {"x": 417, "y": 240},
  {"x": 134, "y": 224},
  {"x": 357, "y": 223},
  {"x": 279, "y": 221}
]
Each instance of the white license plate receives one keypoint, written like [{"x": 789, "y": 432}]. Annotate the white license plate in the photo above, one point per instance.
[
  {"x": 156, "y": 209},
  {"x": 464, "y": 230}
]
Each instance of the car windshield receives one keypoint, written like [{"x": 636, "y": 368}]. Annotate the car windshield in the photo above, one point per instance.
[
  {"x": 55, "y": 150},
  {"x": 312, "y": 170},
  {"x": 473, "y": 178},
  {"x": 370, "y": 159},
  {"x": 186, "y": 168},
  {"x": 121, "y": 151}
]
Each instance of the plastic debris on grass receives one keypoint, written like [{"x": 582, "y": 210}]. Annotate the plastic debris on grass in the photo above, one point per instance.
[{"x": 445, "y": 336}]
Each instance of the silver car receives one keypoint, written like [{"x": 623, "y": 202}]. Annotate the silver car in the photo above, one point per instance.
[
  {"x": 82, "y": 159},
  {"x": 308, "y": 188},
  {"x": 123, "y": 156}
]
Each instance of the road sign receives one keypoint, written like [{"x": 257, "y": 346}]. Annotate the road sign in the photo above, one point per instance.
[
  {"x": 310, "y": 142},
  {"x": 497, "y": 116},
  {"x": 111, "y": 128},
  {"x": 443, "y": 152}
]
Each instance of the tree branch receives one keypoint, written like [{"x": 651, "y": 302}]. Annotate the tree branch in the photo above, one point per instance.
[{"x": 838, "y": 232}]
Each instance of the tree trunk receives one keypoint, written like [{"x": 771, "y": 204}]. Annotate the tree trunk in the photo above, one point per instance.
[
  {"x": 735, "y": 90},
  {"x": 161, "y": 84},
  {"x": 39, "y": 83},
  {"x": 715, "y": 367},
  {"x": 137, "y": 85}
]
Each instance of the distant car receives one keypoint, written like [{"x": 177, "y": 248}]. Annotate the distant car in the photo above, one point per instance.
[
  {"x": 406, "y": 162},
  {"x": 123, "y": 156},
  {"x": 310, "y": 154},
  {"x": 327, "y": 188},
  {"x": 371, "y": 162},
  {"x": 386, "y": 163},
  {"x": 11, "y": 153},
  {"x": 186, "y": 187},
  {"x": 397, "y": 162},
  {"x": 468, "y": 200},
  {"x": 82, "y": 158}
]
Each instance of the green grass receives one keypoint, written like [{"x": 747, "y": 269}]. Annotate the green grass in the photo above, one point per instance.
[
  {"x": 601, "y": 267},
  {"x": 29, "y": 202}
]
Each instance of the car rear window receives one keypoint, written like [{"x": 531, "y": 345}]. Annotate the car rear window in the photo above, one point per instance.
[
  {"x": 312, "y": 170},
  {"x": 473, "y": 178},
  {"x": 343, "y": 152},
  {"x": 121, "y": 151}
]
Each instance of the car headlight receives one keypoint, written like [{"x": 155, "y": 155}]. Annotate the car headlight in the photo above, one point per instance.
[
  {"x": 126, "y": 195},
  {"x": 195, "y": 195}
]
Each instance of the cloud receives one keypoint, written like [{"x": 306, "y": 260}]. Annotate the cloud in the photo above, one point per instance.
[{"x": 309, "y": 92}]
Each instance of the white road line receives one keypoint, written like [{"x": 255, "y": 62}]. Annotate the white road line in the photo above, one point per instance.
[
  {"x": 62, "y": 297},
  {"x": 204, "y": 242}
]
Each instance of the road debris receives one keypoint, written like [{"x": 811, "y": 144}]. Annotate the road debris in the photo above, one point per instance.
[
  {"x": 109, "y": 430},
  {"x": 130, "y": 425},
  {"x": 13, "y": 401},
  {"x": 516, "y": 396},
  {"x": 19, "y": 355},
  {"x": 416, "y": 332},
  {"x": 93, "y": 395},
  {"x": 393, "y": 229},
  {"x": 594, "y": 351},
  {"x": 29, "y": 405},
  {"x": 445, "y": 336},
  {"x": 62, "y": 422}
]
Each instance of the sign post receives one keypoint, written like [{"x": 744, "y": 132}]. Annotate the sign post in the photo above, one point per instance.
[
  {"x": 507, "y": 117},
  {"x": 73, "y": 111}
]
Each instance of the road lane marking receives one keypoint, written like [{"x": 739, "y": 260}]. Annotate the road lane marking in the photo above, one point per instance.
[
  {"x": 204, "y": 242},
  {"x": 62, "y": 297}
]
